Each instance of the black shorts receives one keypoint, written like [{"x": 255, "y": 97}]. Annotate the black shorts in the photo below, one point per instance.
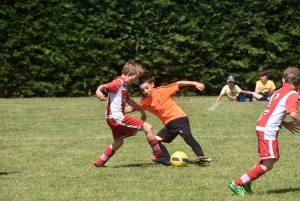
[
  {"x": 175, "y": 127},
  {"x": 265, "y": 97}
]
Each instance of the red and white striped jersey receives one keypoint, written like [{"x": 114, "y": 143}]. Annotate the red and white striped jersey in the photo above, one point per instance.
[
  {"x": 117, "y": 98},
  {"x": 283, "y": 101}
]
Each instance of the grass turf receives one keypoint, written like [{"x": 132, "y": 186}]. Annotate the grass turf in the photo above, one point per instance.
[{"x": 48, "y": 146}]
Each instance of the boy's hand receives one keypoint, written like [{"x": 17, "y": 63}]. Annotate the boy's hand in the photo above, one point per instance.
[
  {"x": 200, "y": 86},
  {"x": 100, "y": 96},
  {"x": 291, "y": 126}
]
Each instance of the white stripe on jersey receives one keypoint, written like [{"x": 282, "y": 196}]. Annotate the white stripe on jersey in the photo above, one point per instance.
[
  {"x": 271, "y": 118},
  {"x": 116, "y": 103}
]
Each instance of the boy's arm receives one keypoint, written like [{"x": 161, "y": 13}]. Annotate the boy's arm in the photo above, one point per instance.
[
  {"x": 220, "y": 96},
  {"x": 247, "y": 92},
  {"x": 136, "y": 106},
  {"x": 198, "y": 85},
  {"x": 99, "y": 93}
]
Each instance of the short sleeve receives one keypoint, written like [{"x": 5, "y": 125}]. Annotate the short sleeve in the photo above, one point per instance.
[
  {"x": 223, "y": 91},
  {"x": 258, "y": 86},
  {"x": 238, "y": 89},
  {"x": 273, "y": 87},
  {"x": 292, "y": 103},
  {"x": 113, "y": 86}
]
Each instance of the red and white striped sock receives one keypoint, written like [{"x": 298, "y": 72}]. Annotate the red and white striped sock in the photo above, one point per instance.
[
  {"x": 108, "y": 153},
  {"x": 155, "y": 147},
  {"x": 250, "y": 176}
]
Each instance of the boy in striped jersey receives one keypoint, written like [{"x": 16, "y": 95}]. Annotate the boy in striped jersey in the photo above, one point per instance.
[
  {"x": 123, "y": 126},
  {"x": 283, "y": 101}
]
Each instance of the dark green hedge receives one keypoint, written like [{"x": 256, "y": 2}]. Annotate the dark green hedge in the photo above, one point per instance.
[{"x": 58, "y": 48}]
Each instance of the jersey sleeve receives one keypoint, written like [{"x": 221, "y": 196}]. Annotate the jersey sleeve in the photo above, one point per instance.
[
  {"x": 292, "y": 103},
  {"x": 273, "y": 87},
  {"x": 258, "y": 85},
  {"x": 169, "y": 90},
  {"x": 113, "y": 86},
  {"x": 223, "y": 91}
]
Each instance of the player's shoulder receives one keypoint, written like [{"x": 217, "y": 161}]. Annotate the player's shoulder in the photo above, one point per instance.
[{"x": 270, "y": 81}]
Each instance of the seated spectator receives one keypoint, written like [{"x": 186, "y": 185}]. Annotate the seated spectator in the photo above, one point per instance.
[
  {"x": 234, "y": 92},
  {"x": 264, "y": 88}
]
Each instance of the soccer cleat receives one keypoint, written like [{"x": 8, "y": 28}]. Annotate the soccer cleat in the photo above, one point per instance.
[
  {"x": 238, "y": 190},
  {"x": 202, "y": 160},
  {"x": 97, "y": 166},
  {"x": 161, "y": 160},
  {"x": 247, "y": 188}
]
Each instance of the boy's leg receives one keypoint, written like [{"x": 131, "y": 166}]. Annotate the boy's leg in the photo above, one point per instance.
[
  {"x": 269, "y": 150},
  {"x": 259, "y": 169},
  {"x": 202, "y": 159},
  {"x": 244, "y": 182},
  {"x": 157, "y": 152},
  {"x": 108, "y": 153},
  {"x": 164, "y": 150}
]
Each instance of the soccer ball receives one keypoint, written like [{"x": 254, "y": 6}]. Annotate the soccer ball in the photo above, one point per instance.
[{"x": 179, "y": 159}]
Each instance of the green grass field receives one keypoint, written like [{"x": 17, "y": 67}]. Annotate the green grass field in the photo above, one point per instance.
[{"x": 48, "y": 146}]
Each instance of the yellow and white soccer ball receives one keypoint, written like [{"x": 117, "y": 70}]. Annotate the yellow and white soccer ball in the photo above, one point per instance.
[{"x": 179, "y": 159}]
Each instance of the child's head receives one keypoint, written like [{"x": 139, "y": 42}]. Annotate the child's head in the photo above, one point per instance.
[
  {"x": 230, "y": 81},
  {"x": 291, "y": 76},
  {"x": 132, "y": 71},
  {"x": 263, "y": 75},
  {"x": 140, "y": 69},
  {"x": 146, "y": 85}
]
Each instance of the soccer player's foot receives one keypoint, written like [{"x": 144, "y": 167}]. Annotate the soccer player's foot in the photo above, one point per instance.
[
  {"x": 202, "y": 160},
  {"x": 161, "y": 160},
  {"x": 238, "y": 190},
  {"x": 247, "y": 188},
  {"x": 97, "y": 166}
]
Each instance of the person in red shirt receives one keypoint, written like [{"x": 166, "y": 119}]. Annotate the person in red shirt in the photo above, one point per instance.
[
  {"x": 123, "y": 126},
  {"x": 283, "y": 101},
  {"x": 159, "y": 102}
]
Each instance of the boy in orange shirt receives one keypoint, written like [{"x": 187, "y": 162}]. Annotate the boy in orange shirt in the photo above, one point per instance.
[{"x": 159, "y": 102}]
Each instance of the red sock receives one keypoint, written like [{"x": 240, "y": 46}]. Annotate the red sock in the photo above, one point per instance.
[
  {"x": 252, "y": 175},
  {"x": 105, "y": 156},
  {"x": 155, "y": 147}
]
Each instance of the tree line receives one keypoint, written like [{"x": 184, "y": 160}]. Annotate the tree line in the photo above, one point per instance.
[{"x": 66, "y": 48}]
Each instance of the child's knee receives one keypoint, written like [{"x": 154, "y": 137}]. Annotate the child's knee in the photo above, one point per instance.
[{"x": 147, "y": 128}]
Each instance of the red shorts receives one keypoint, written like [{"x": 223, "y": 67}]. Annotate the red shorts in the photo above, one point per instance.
[
  {"x": 126, "y": 128},
  {"x": 267, "y": 149}
]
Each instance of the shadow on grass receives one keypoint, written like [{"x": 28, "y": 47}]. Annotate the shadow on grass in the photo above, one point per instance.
[
  {"x": 6, "y": 173},
  {"x": 151, "y": 164},
  {"x": 285, "y": 190},
  {"x": 194, "y": 163},
  {"x": 135, "y": 165}
]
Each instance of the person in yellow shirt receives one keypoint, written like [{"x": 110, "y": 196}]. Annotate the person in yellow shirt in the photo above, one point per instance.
[{"x": 264, "y": 88}]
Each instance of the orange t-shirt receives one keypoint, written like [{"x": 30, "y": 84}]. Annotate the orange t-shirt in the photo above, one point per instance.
[{"x": 161, "y": 104}]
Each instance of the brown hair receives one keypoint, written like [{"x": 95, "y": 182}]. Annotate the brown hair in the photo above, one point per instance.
[
  {"x": 129, "y": 67},
  {"x": 263, "y": 73},
  {"x": 133, "y": 68},
  {"x": 292, "y": 75},
  {"x": 140, "y": 70}
]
